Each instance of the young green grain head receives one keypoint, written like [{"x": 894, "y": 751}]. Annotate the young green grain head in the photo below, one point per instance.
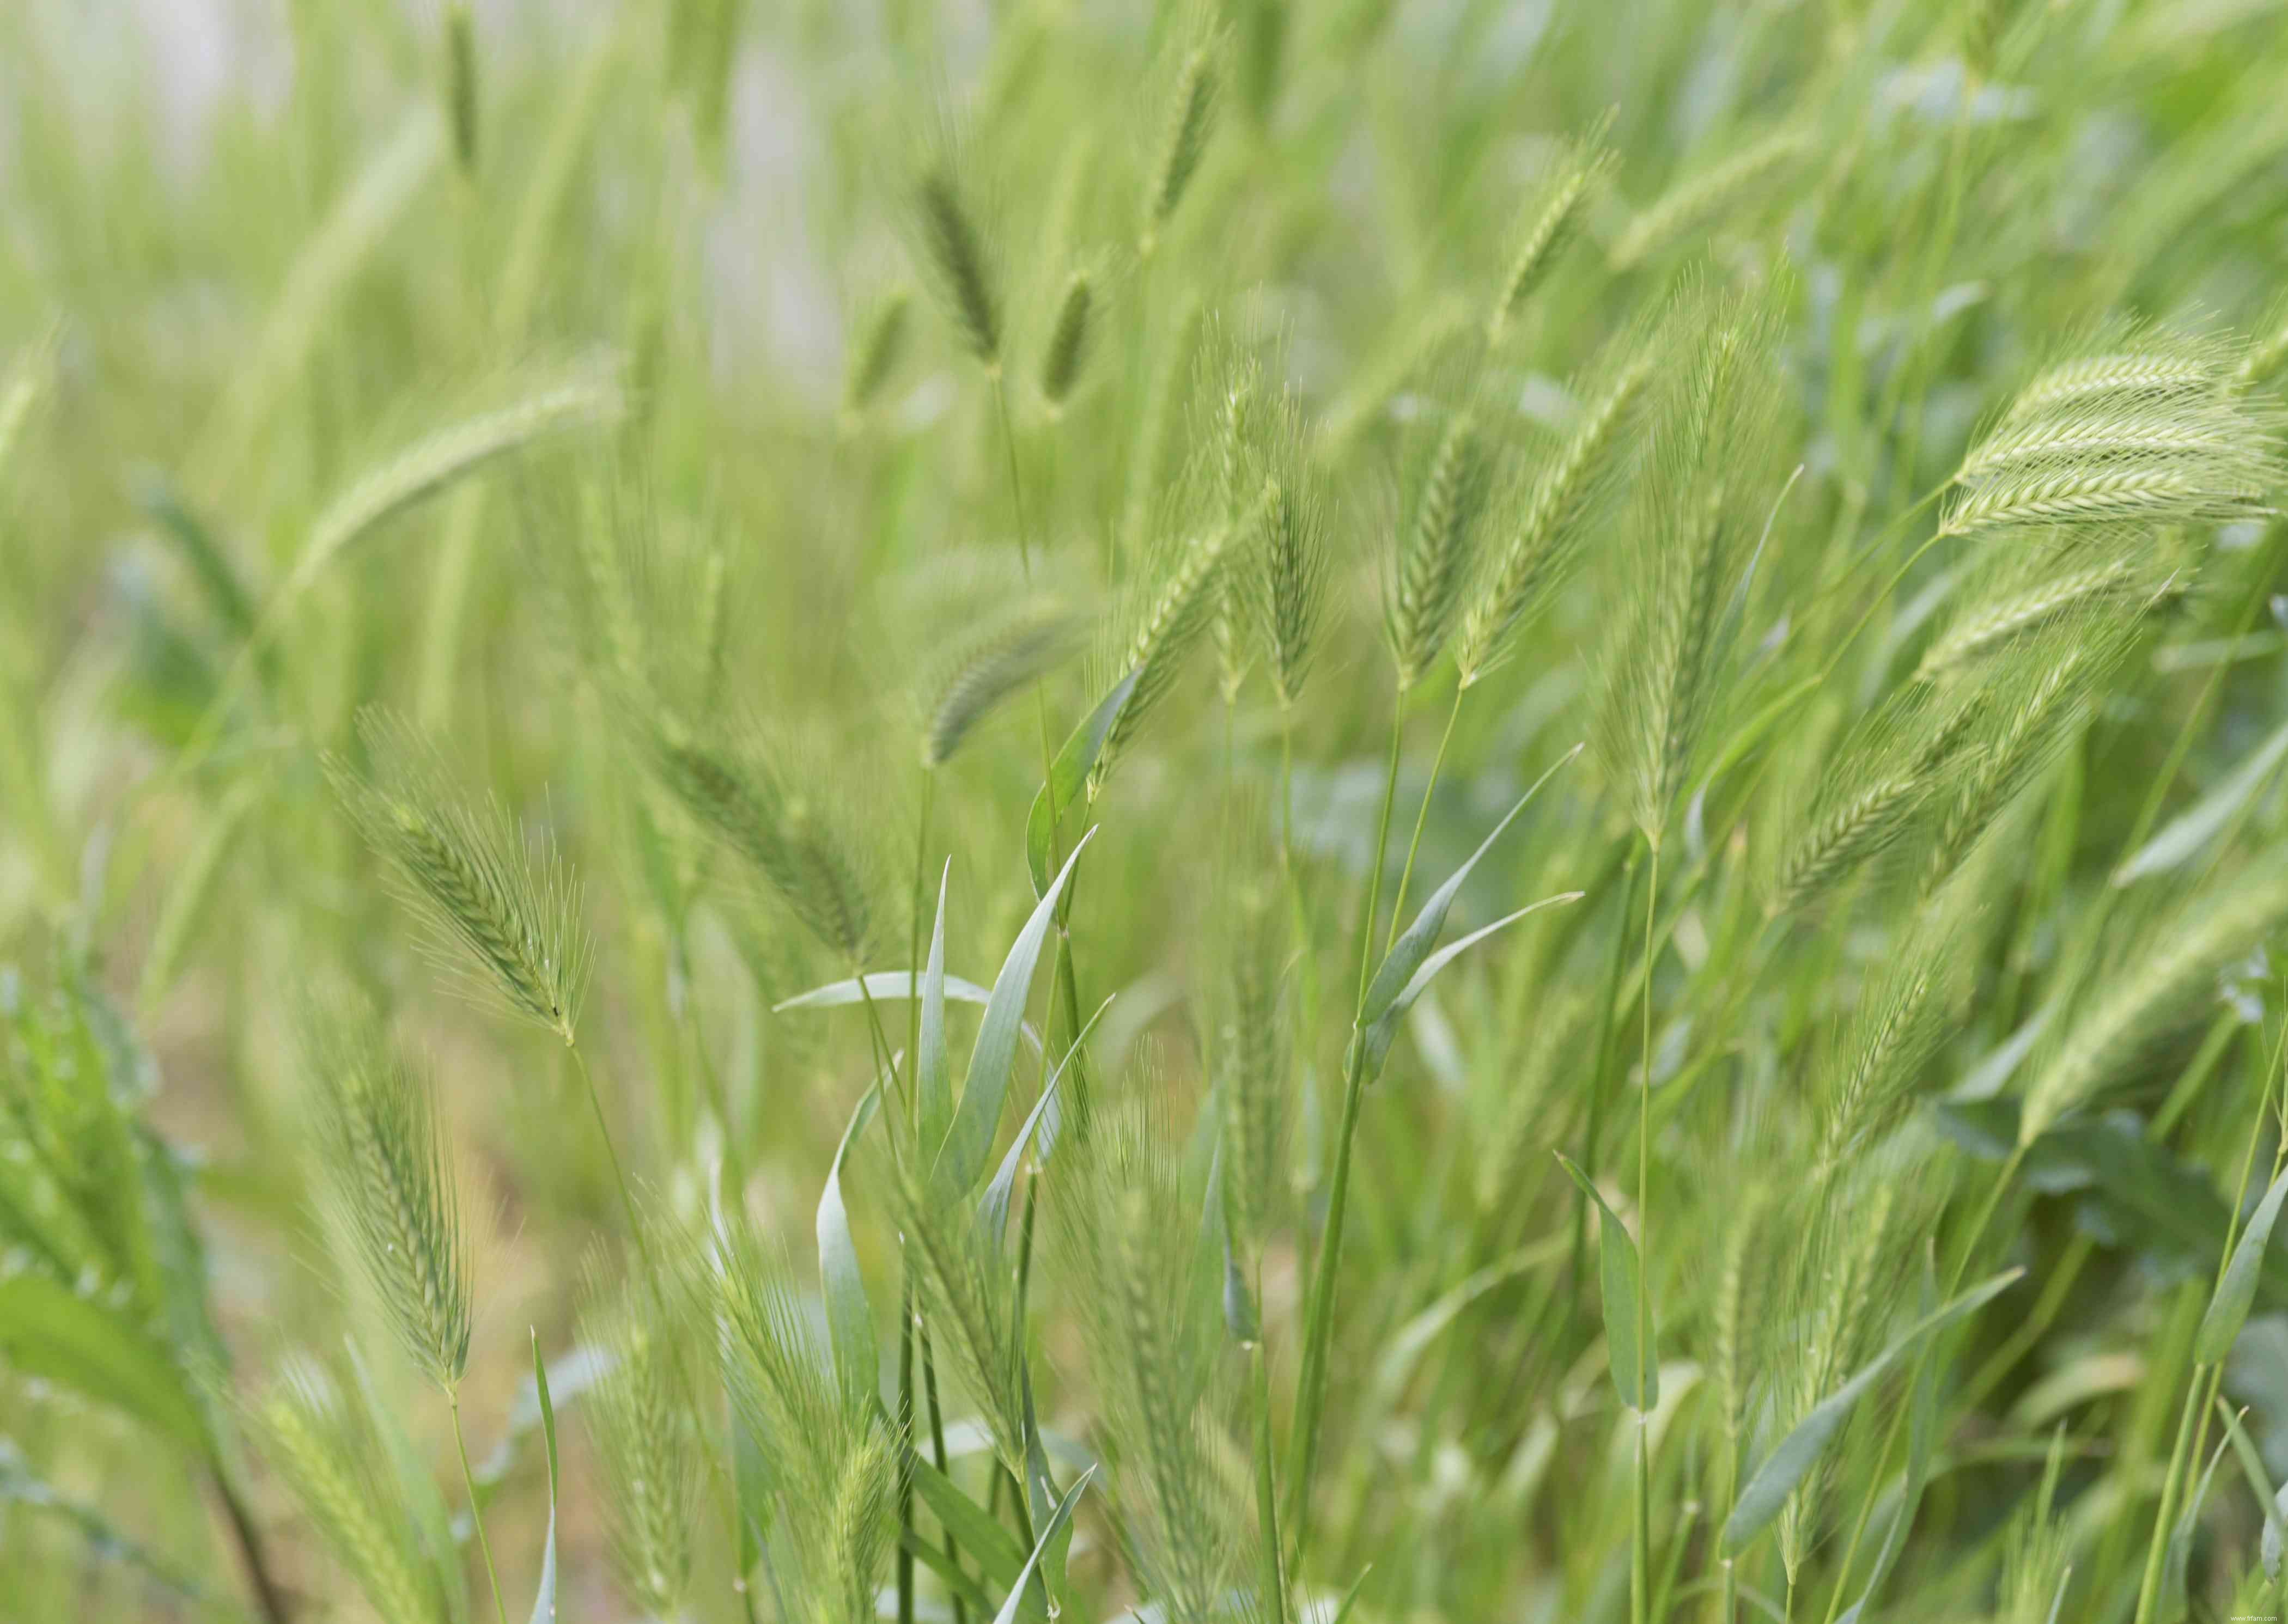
[
  {"x": 1193, "y": 104},
  {"x": 1432, "y": 564},
  {"x": 2148, "y": 435},
  {"x": 880, "y": 345},
  {"x": 2022, "y": 709},
  {"x": 965, "y": 1291},
  {"x": 797, "y": 841},
  {"x": 957, "y": 257},
  {"x": 503, "y": 911},
  {"x": 1070, "y": 335},
  {"x": 1128, "y": 1230},
  {"x": 1168, "y": 615},
  {"x": 2161, "y": 977},
  {"x": 2264, "y": 359},
  {"x": 1700, "y": 198},
  {"x": 1288, "y": 557},
  {"x": 1875, "y": 791},
  {"x": 1703, "y": 501},
  {"x": 2027, "y": 589},
  {"x": 1550, "y": 224},
  {"x": 313, "y": 1427},
  {"x": 461, "y": 84},
  {"x": 831, "y": 1458},
  {"x": 644, "y": 1428},
  {"x": 1546, "y": 533},
  {"x": 389, "y": 1179},
  {"x": 968, "y": 682}
]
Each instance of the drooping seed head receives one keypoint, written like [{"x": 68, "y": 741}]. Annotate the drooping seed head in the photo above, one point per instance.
[
  {"x": 1433, "y": 558},
  {"x": 504, "y": 913},
  {"x": 389, "y": 1179},
  {"x": 881, "y": 345},
  {"x": 1191, "y": 120},
  {"x": 958, "y": 259},
  {"x": 1068, "y": 340},
  {"x": 1550, "y": 229},
  {"x": 1546, "y": 535}
]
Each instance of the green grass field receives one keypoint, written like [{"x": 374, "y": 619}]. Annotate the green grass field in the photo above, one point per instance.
[{"x": 1318, "y": 812}]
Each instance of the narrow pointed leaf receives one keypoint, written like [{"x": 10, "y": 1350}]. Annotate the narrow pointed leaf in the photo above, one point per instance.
[
  {"x": 2183, "y": 836},
  {"x": 897, "y": 984},
  {"x": 937, "y": 1101},
  {"x": 2235, "y": 1289},
  {"x": 1067, "y": 773},
  {"x": 849, "y": 1320},
  {"x": 980, "y": 1534},
  {"x": 544, "y": 1599},
  {"x": 1922, "y": 1430},
  {"x": 1635, "y": 1367},
  {"x": 2259, "y": 1481},
  {"x": 969, "y": 1138},
  {"x": 2177, "y": 1557},
  {"x": 1041, "y": 1498},
  {"x": 1407, "y": 953},
  {"x": 1787, "y": 1465},
  {"x": 993, "y": 1210},
  {"x": 1375, "y": 1041},
  {"x": 1055, "y": 1526}
]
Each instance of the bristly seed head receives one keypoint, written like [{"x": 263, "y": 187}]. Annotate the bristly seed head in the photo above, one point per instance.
[
  {"x": 959, "y": 263},
  {"x": 1434, "y": 562},
  {"x": 498, "y": 905}
]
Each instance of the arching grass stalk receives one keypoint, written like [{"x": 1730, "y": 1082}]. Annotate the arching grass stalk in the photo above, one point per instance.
[
  {"x": 909, "y": 1331},
  {"x": 476, "y": 1507},
  {"x": 1607, "y": 1025},
  {"x": 1311, "y": 1390},
  {"x": 1640, "y": 1502},
  {"x": 619, "y": 1173},
  {"x": 1422, "y": 817}
]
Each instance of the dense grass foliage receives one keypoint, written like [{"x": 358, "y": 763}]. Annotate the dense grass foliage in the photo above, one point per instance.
[{"x": 1251, "y": 810}]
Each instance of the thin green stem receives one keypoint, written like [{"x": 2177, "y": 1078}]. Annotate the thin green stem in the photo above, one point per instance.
[
  {"x": 1640, "y": 1506},
  {"x": 1287, "y": 792},
  {"x": 476, "y": 1511},
  {"x": 1312, "y": 1380},
  {"x": 905, "y": 1421},
  {"x": 619, "y": 1173},
  {"x": 913, "y": 936},
  {"x": 1641, "y": 1541},
  {"x": 1267, "y": 1495},
  {"x": 1375, "y": 856},
  {"x": 1406, "y": 875},
  {"x": 2149, "y": 1591},
  {"x": 1016, "y": 485},
  {"x": 1310, "y": 1399},
  {"x": 1607, "y": 1039}
]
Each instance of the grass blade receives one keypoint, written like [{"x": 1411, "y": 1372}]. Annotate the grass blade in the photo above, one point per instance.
[
  {"x": 1788, "y": 1464},
  {"x": 961, "y": 1155},
  {"x": 849, "y": 1320},
  {"x": 544, "y": 1599},
  {"x": 1635, "y": 1367},
  {"x": 2235, "y": 1288},
  {"x": 1068, "y": 775}
]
